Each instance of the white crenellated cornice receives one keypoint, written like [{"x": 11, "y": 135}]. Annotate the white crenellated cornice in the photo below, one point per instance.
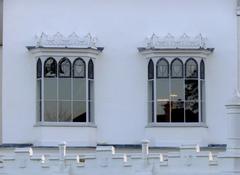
[
  {"x": 71, "y": 41},
  {"x": 175, "y": 46},
  {"x": 60, "y": 45},
  {"x": 171, "y": 42}
]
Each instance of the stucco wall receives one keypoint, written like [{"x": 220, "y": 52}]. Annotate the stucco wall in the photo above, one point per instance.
[{"x": 120, "y": 72}]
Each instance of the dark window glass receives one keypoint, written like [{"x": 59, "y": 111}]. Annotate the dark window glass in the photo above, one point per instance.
[
  {"x": 191, "y": 68},
  {"x": 162, "y": 68},
  {"x": 39, "y": 68},
  {"x": 79, "y": 111},
  {"x": 50, "y": 68},
  {"x": 191, "y": 90},
  {"x": 202, "y": 70},
  {"x": 191, "y": 110},
  {"x": 64, "y": 68},
  {"x": 163, "y": 111},
  {"x": 177, "y": 68},
  {"x": 150, "y": 70},
  {"x": 90, "y": 69},
  {"x": 177, "y": 111},
  {"x": 79, "y": 68}
]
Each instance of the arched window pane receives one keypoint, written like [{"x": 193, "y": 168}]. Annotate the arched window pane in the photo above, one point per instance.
[
  {"x": 79, "y": 68},
  {"x": 39, "y": 68},
  {"x": 202, "y": 70},
  {"x": 90, "y": 69},
  {"x": 162, "y": 68},
  {"x": 177, "y": 68},
  {"x": 50, "y": 68},
  {"x": 64, "y": 68},
  {"x": 150, "y": 70},
  {"x": 191, "y": 68}
]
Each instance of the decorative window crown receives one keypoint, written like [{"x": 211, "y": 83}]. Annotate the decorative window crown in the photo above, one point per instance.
[
  {"x": 71, "y": 41},
  {"x": 171, "y": 42}
]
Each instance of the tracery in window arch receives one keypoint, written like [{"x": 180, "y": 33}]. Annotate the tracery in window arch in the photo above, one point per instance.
[
  {"x": 66, "y": 97},
  {"x": 177, "y": 97}
]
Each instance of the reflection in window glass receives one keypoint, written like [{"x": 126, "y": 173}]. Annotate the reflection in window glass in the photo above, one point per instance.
[
  {"x": 177, "y": 89},
  {"x": 177, "y": 111},
  {"x": 90, "y": 69},
  {"x": 162, "y": 68},
  {"x": 177, "y": 96},
  {"x": 50, "y": 68},
  {"x": 65, "y": 113},
  {"x": 79, "y": 68},
  {"x": 50, "y": 111},
  {"x": 191, "y": 110},
  {"x": 191, "y": 89},
  {"x": 79, "y": 111},
  {"x": 191, "y": 68},
  {"x": 64, "y": 68},
  {"x": 177, "y": 68},
  {"x": 163, "y": 111}
]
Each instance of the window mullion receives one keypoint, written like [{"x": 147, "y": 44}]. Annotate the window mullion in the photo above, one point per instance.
[
  {"x": 155, "y": 93},
  {"x": 42, "y": 94},
  {"x": 86, "y": 100},
  {"x": 57, "y": 94}
]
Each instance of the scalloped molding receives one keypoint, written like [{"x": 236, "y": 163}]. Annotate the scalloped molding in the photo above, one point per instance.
[{"x": 171, "y": 42}]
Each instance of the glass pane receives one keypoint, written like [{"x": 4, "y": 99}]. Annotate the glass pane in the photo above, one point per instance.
[
  {"x": 177, "y": 69},
  {"x": 90, "y": 69},
  {"x": 91, "y": 111},
  {"x": 39, "y": 89},
  {"x": 162, "y": 89},
  {"x": 191, "y": 69},
  {"x": 163, "y": 112},
  {"x": 202, "y": 90},
  {"x": 50, "y": 111},
  {"x": 191, "y": 112},
  {"x": 79, "y": 111},
  {"x": 90, "y": 89},
  {"x": 64, "y": 114},
  {"x": 150, "y": 70},
  {"x": 39, "y": 111},
  {"x": 39, "y": 68},
  {"x": 177, "y": 90},
  {"x": 64, "y": 88},
  {"x": 162, "y": 69},
  {"x": 191, "y": 89},
  {"x": 203, "y": 112},
  {"x": 64, "y": 68},
  {"x": 50, "y": 88},
  {"x": 177, "y": 111},
  {"x": 150, "y": 90},
  {"x": 202, "y": 70},
  {"x": 79, "y": 68},
  {"x": 79, "y": 89},
  {"x": 50, "y": 68},
  {"x": 151, "y": 111}
]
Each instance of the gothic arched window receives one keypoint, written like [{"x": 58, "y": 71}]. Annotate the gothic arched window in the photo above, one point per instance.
[
  {"x": 177, "y": 96},
  {"x": 67, "y": 90}
]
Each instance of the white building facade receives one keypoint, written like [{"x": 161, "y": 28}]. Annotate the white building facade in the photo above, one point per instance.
[{"x": 113, "y": 73}]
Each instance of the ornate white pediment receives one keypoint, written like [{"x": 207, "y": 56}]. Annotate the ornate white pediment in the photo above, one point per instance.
[
  {"x": 60, "y": 45},
  {"x": 170, "y": 45},
  {"x": 171, "y": 42},
  {"x": 59, "y": 40}
]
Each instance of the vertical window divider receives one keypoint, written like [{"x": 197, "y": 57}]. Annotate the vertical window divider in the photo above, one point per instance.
[
  {"x": 155, "y": 91},
  {"x": 42, "y": 93},
  {"x": 184, "y": 90},
  {"x": 57, "y": 91},
  {"x": 170, "y": 100},
  {"x": 71, "y": 78},
  {"x": 87, "y": 95},
  {"x": 199, "y": 93}
]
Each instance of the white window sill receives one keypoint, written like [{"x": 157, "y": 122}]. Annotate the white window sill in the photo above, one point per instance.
[
  {"x": 64, "y": 124},
  {"x": 153, "y": 125}
]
